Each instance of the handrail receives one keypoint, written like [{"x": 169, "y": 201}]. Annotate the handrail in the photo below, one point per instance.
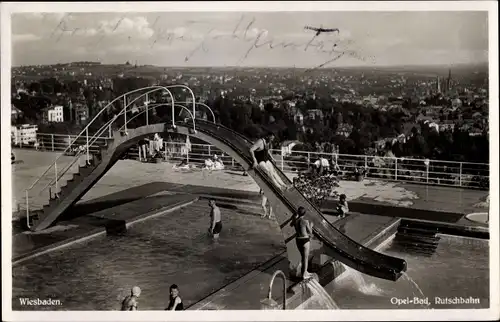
[
  {"x": 190, "y": 90},
  {"x": 305, "y": 153},
  {"x": 75, "y": 159},
  {"x": 205, "y": 105},
  {"x": 60, "y": 174},
  {"x": 165, "y": 104},
  {"x": 86, "y": 128},
  {"x": 96, "y": 136}
]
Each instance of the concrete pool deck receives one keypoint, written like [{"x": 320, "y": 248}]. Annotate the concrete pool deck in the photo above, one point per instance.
[
  {"x": 129, "y": 173},
  {"x": 129, "y": 181},
  {"x": 132, "y": 190}
]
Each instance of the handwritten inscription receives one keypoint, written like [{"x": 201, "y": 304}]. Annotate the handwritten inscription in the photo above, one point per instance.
[{"x": 245, "y": 31}]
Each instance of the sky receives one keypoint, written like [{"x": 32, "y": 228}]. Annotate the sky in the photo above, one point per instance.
[{"x": 271, "y": 39}]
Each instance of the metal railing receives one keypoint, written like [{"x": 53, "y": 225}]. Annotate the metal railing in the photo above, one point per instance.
[
  {"x": 89, "y": 144},
  {"x": 446, "y": 173},
  {"x": 438, "y": 172}
]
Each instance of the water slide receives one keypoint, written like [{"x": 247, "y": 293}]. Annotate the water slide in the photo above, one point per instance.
[{"x": 340, "y": 246}]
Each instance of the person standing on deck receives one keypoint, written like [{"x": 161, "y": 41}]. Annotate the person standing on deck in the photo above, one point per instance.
[
  {"x": 215, "y": 220},
  {"x": 264, "y": 202},
  {"x": 130, "y": 302},
  {"x": 303, "y": 230},
  {"x": 262, "y": 157},
  {"x": 143, "y": 149}
]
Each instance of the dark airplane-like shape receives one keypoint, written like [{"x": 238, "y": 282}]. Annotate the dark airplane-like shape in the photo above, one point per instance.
[{"x": 320, "y": 30}]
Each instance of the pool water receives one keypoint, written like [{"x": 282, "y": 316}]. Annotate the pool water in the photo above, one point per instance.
[
  {"x": 174, "y": 248},
  {"x": 458, "y": 269}
]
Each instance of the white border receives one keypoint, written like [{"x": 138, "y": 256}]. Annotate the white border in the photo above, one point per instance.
[{"x": 490, "y": 314}]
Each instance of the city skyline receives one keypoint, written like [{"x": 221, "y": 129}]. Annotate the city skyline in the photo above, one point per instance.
[{"x": 252, "y": 39}]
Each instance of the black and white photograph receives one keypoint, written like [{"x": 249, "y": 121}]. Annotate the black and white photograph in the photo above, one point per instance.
[{"x": 260, "y": 157}]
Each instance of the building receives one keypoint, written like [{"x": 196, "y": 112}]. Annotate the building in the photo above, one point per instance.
[
  {"x": 81, "y": 112},
  {"x": 315, "y": 114},
  {"x": 24, "y": 134},
  {"x": 15, "y": 114},
  {"x": 298, "y": 116},
  {"x": 447, "y": 126},
  {"x": 344, "y": 129},
  {"x": 55, "y": 114}
]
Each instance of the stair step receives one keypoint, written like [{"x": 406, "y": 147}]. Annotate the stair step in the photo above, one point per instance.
[
  {"x": 419, "y": 228},
  {"x": 417, "y": 231},
  {"x": 409, "y": 239},
  {"x": 417, "y": 236},
  {"x": 417, "y": 246},
  {"x": 419, "y": 251}
]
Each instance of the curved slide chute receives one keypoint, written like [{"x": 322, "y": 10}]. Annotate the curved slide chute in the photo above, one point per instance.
[{"x": 339, "y": 245}]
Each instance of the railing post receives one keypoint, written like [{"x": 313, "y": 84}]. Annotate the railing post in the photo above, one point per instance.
[
  {"x": 173, "y": 115},
  {"x": 282, "y": 160},
  {"x": 55, "y": 170},
  {"x": 187, "y": 156},
  {"x": 427, "y": 173},
  {"x": 69, "y": 141},
  {"x": 209, "y": 152},
  {"x": 232, "y": 162},
  {"x": 125, "y": 113},
  {"x": 87, "y": 137},
  {"x": 27, "y": 210},
  {"x": 460, "y": 175},
  {"x": 110, "y": 131},
  {"x": 52, "y": 141},
  {"x": 308, "y": 160},
  {"x": 366, "y": 162},
  {"x": 396, "y": 169},
  {"x": 147, "y": 112}
]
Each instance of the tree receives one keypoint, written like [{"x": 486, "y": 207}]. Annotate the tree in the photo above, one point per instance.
[{"x": 317, "y": 188}]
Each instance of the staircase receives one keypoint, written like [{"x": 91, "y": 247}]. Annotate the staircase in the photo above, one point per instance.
[
  {"x": 69, "y": 191},
  {"x": 100, "y": 155},
  {"x": 417, "y": 239}
]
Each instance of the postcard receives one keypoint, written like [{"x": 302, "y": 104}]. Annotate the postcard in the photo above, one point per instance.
[{"x": 236, "y": 161}]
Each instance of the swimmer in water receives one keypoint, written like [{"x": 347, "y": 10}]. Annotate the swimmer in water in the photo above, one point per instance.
[
  {"x": 175, "y": 303},
  {"x": 342, "y": 206},
  {"x": 130, "y": 302},
  {"x": 215, "y": 220},
  {"x": 303, "y": 230}
]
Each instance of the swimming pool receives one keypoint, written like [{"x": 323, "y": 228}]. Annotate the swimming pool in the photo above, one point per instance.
[
  {"x": 456, "y": 276},
  {"x": 174, "y": 248}
]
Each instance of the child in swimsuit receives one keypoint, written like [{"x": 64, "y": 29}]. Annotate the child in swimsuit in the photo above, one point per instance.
[{"x": 175, "y": 303}]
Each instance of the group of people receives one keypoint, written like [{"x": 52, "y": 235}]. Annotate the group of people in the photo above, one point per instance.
[
  {"x": 260, "y": 152},
  {"x": 131, "y": 302},
  {"x": 214, "y": 163},
  {"x": 150, "y": 147}
]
